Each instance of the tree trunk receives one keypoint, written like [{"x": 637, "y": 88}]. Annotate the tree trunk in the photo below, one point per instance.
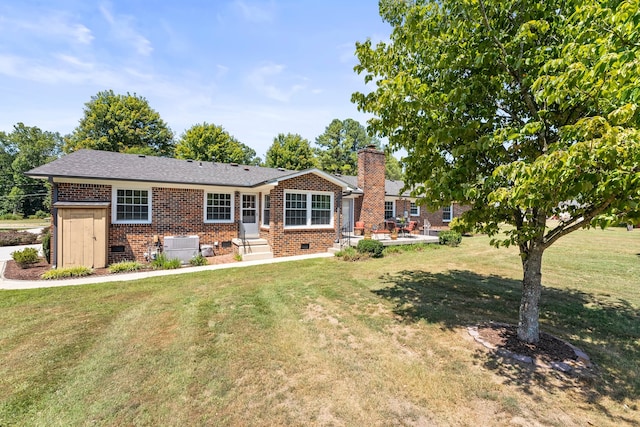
[{"x": 528, "y": 324}]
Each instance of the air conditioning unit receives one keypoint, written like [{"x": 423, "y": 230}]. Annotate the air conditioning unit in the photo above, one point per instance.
[{"x": 182, "y": 247}]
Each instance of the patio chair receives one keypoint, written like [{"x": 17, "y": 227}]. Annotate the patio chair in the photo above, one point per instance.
[{"x": 409, "y": 227}]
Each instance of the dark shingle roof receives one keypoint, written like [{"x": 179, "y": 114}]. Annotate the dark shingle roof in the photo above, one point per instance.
[{"x": 107, "y": 165}]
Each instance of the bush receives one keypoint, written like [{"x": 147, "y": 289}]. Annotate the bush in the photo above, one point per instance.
[
  {"x": 40, "y": 215},
  {"x": 198, "y": 260},
  {"x": 46, "y": 245},
  {"x": 63, "y": 273},
  {"x": 26, "y": 257},
  {"x": 449, "y": 238},
  {"x": 372, "y": 247},
  {"x": 123, "y": 266},
  {"x": 15, "y": 238},
  {"x": 163, "y": 263},
  {"x": 11, "y": 217}
]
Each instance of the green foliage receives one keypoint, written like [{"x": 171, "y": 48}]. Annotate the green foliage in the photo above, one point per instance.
[
  {"x": 20, "y": 151},
  {"x": 350, "y": 254},
  {"x": 121, "y": 123},
  {"x": 199, "y": 260},
  {"x": 16, "y": 238},
  {"x": 393, "y": 168},
  {"x": 339, "y": 146},
  {"x": 416, "y": 247},
  {"x": 520, "y": 110},
  {"x": 11, "y": 217},
  {"x": 40, "y": 215},
  {"x": 292, "y": 152},
  {"x": 67, "y": 272},
  {"x": 46, "y": 245},
  {"x": 162, "y": 262},
  {"x": 125, "y": 266},
  {"x": 372, "y": 247},
  {"x": 211, "y": 143},
  {"x": 26, "y": 257},
  {"x": 449, "y": 238}
]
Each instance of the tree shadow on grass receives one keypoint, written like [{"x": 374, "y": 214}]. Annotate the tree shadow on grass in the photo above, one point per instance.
[{"x": 609, "y": 331}]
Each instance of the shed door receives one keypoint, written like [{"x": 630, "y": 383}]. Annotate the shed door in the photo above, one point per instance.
[{"x": 82, "y": 237}]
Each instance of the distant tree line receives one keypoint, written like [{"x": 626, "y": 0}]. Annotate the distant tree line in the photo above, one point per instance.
[{"x": 127, "y": 124}]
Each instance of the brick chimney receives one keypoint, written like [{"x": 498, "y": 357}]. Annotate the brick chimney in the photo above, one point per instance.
[{"x": 371, "y": 169}]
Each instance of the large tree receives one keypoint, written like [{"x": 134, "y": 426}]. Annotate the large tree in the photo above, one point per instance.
[
  {"x": 338, "y": 146},
  {"x": 393, "y": 168},
  {"x": 290, "y": 151},
  {"x": 25, "y": 148},
  {"x": 211, "y": 143},
  {"x": 122, "y": 123},
  {"x": 522, "y": 110}
]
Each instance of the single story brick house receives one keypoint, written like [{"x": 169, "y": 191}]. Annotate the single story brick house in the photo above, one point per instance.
[{"x": 108, "y": 207}]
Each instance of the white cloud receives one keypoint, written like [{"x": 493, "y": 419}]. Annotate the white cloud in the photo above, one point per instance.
[
  {"x": 262, "y": 79},
  {"x": 123, "y": 29},
  {"x": 253, "y": 12},
  {"x": 55, "y": 25}
]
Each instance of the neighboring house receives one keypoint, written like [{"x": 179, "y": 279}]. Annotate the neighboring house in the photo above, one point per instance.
[{"x": 109, "y": 207}]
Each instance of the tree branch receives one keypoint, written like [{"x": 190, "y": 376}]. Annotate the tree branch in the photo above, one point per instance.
[{"x": 550, "y": 238}]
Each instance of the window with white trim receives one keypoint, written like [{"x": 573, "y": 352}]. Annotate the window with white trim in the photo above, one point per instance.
[
  {"x": 308, "y": 209},
  {"x": 389, "y": 210},
  {"x": 266, "y": 210},
  {"x": 415, "y": 209},
  {"x": 218, "y": 207},
  {"x": 447, "y": 213},
  {"x": 131, "y": 206}
]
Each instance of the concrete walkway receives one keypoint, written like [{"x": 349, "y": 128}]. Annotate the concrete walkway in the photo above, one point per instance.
[{"x": 32, "y": 284}]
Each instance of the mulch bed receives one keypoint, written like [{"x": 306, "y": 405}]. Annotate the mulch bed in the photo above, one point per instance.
[
  {"x": 13, "y": 271},
  {"x": 549, "y": 351}
]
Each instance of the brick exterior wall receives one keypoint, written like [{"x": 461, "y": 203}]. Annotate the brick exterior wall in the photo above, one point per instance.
[
  {"x": 287, "y": 242},
  {"x": 371, "y": 180},
  {"x": 175, "y": 212},
  {"x": 434, "y": 217}
]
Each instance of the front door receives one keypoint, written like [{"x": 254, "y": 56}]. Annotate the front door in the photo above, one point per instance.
[
  {"x": 249, "y": 215},
  {"x": 347, "y": 219}
]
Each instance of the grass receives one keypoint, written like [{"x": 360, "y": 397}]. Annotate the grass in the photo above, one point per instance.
[
  {"x": 326, "y": 342},
  {"x": 23, "y": 224}
]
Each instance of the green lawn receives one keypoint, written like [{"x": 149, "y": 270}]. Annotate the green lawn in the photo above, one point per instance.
[
  {"x": 23, "y": 224},
  {"x": 327, "y": 342}
]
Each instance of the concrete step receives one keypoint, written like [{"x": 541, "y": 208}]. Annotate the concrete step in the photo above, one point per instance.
[
  {"x": 257, "y": 255},
  {"x": 253, "y": 249},
  {"x": 333, "y": 249}
]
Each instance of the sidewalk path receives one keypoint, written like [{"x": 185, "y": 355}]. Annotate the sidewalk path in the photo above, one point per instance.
[{"x": 32, "y": 284}]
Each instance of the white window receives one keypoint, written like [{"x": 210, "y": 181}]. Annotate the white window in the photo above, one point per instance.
[
  {"x": 447, "y": 213},
  {"x": 131, "y": 206},
  {"x": 266, "y": 210},
  {"x": 307, "y": 209},
  {"x": 218, "y": 207},
  {"x": 415, "y": 209},
  {"x": 389, "y": 210}
]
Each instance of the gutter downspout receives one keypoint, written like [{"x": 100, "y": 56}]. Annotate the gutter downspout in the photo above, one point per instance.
[{"x": 54, "y": 231}]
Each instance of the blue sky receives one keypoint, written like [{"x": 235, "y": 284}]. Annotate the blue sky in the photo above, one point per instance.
[{"x": 256, "y": 68}]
